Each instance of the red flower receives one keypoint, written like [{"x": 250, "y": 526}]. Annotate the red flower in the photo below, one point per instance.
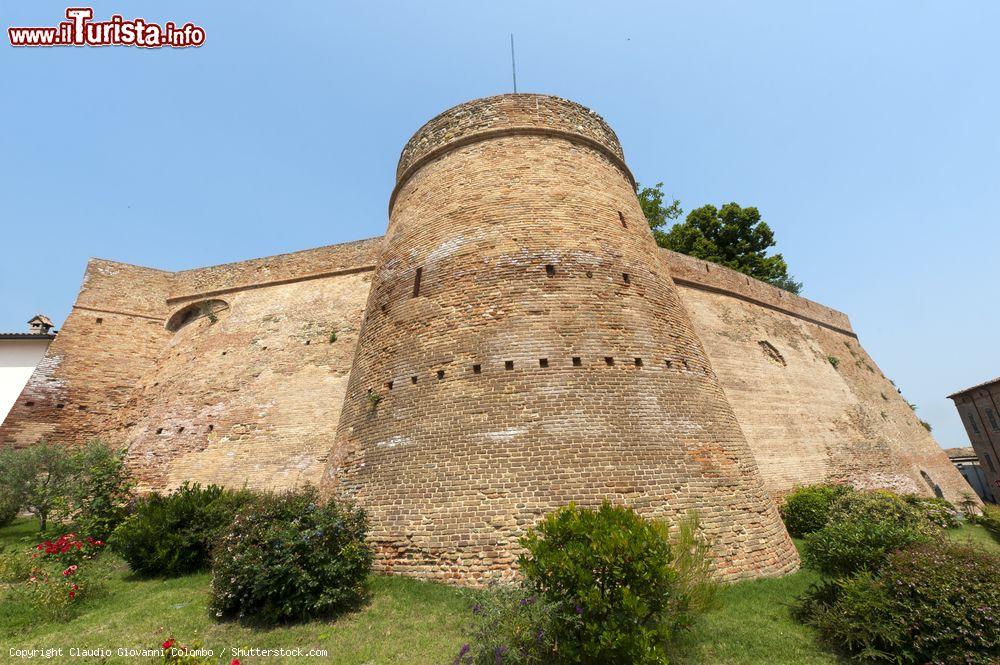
[
  {"x": 234, "y": 661},
  {"x": 169, "y": 643},
  {"x": 72, "y": 594}
]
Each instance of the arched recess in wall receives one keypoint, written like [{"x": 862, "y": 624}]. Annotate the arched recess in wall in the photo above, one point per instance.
[{"x": 194, "y": 311}]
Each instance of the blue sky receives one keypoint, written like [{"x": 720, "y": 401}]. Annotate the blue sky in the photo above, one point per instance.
[{"x": 866, "y": 132}]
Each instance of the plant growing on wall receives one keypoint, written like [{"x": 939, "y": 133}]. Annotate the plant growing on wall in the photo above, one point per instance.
[
  {"x": 373, "y": 398},
  {"x": 834, "y": 360}
]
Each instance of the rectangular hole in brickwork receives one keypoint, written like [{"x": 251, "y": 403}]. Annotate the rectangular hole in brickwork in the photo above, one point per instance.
[
  {"x": 550, "y": 270},
  {"x": 307, "y": 344},
  {"x": 609, "y": 360},
  {"x": 82, "y": 407},
  {"x": 29, "y": 403},
  {"x": 543, "y": 362},
  {"x": 590, "y": 273},
  {"x": 382, "y": 308},
  {"x": 180, "y": 430},
  {"x": 577, "y": 361},
  {"x": 159, "y": 430},
  {"x": 626, "y": 278},
  {"x": 508, "y": 364},
  {"x": 638, "y": 362},
  {"x": 686, "y": 366},
  {"x": 669, "y": 363},
  {"x": 477, "y": 369},
  {"x": 211, "y": 427},
  {"x": 388, "y": 385},
  {"x": 100, "y": 320},
  {"x": 225, "y": 352},
  {"x": 413, "y": 379},
  {"x": 440, "y": 374},
  {"x": 416, "y": 281},
  {"x": 621, "y": 217},
  {"x": 59, "y": 406},
  {"x": 707, "y": 268}
]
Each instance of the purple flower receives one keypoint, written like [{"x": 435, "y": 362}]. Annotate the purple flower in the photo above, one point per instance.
[
  {"x": 579, "y": 610},
  {"x": 464, "y": 650},
  {"x": 498, "y": 654},
  {"x": 476, "y": 609}
]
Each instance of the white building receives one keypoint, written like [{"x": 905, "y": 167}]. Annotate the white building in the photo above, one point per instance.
[{"x": 19, "y": 354}]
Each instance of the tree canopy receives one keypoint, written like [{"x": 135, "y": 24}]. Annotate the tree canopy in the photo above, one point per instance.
[{"x": 732, "y": 236}]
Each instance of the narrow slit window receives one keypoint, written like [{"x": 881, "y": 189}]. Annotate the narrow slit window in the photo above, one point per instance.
[
  {"x": 388, "y": 385},
  {"x": 508, "y": 364},
  {"x": 550, "y": 270},
  {"x": 159, "y": 430},
  {"x": 543, "y": 362},
  {"x": 686, "y": 366},
  {"x": 416, "y": 281},
  {"x": 100, "y": 320},
  {"x": 180, "y": 430},
  {"x": 621, "y": 218},
  {"x": 577, "y": 361},
  {"x": 413, "y": 379},
  {"x": 626, "y": 278},
  {"x": 638, "y": 362},
  {"x": 477, "y": 369},
  {"x": 440, "y": 374},
  {"x": 608, "y": 360},
  {"x": 211, "y": 427},
  {"x": 668, "y": 362}
]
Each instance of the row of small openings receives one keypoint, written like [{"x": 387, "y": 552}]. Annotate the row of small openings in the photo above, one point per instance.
[
  {"x": 82, "y": 407},
  {"x": 180, "y": 430},
  {"x": 577, "y": 361}
]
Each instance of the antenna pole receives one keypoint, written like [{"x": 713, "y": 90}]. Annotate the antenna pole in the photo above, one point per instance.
[{"x": 513, "y": 66}]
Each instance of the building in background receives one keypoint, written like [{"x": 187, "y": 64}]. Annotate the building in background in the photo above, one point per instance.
[
  {"x": 20, "y": 353},
  {"x": 967, "y": 463},
  {"x": 978, "y": 408}
]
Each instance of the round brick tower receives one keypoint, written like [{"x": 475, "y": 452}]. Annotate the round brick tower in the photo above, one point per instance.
[{"x": 523, "y": 347}]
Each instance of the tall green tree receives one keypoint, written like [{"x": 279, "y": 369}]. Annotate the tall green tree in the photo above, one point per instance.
[
  {"x": 731, "y": 236},
  {"x": 657, "y": 214},
  {"x": 41, "y": 475}
]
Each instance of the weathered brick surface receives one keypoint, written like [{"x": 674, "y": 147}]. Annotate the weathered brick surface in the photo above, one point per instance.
[
  {"x": 466, "y": 416},
  {"x": 520, "y": 213},
  {"x": 806, "y": 420}
]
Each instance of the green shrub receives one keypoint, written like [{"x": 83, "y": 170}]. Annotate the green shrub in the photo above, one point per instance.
[
  {"x": 512, "y": 626},
  {"x": 608, "y": 572},
  {"x": 173, "y": 534},
  {"x": 10, "y": 505},
  {"x": 932, "y": 603},
  {"x": 288, "y": 557},
  {"x": 807, "y": 509},
  {"x": 937, "y": 512},
  {"x": 41, "y": 476},
  {"x": 990, "y": 519},
  {"x": 864, "y": 528},
  {"x": 101, "y": 489}
]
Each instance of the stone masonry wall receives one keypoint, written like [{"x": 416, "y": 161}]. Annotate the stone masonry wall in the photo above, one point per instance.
[{"x": 105, "y": 347}]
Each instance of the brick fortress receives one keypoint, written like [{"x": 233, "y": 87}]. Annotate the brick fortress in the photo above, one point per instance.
[{"x": 514, "y": 342}]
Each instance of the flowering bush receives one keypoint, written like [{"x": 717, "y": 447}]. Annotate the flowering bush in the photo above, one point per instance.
[
  {"x": 511, "y": 626},
  {"x": 933, "y": 603},
  {"x": 55, "y": 592},
  {"x": 288, "y": 557},
  {"x": 173, "y": 535},
  {"x": 938, "y": 513},
  {"x": 68, "y": 548}
]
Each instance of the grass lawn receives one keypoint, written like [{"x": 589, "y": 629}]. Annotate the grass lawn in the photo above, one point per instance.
[{"x": 405, "y": 621}]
